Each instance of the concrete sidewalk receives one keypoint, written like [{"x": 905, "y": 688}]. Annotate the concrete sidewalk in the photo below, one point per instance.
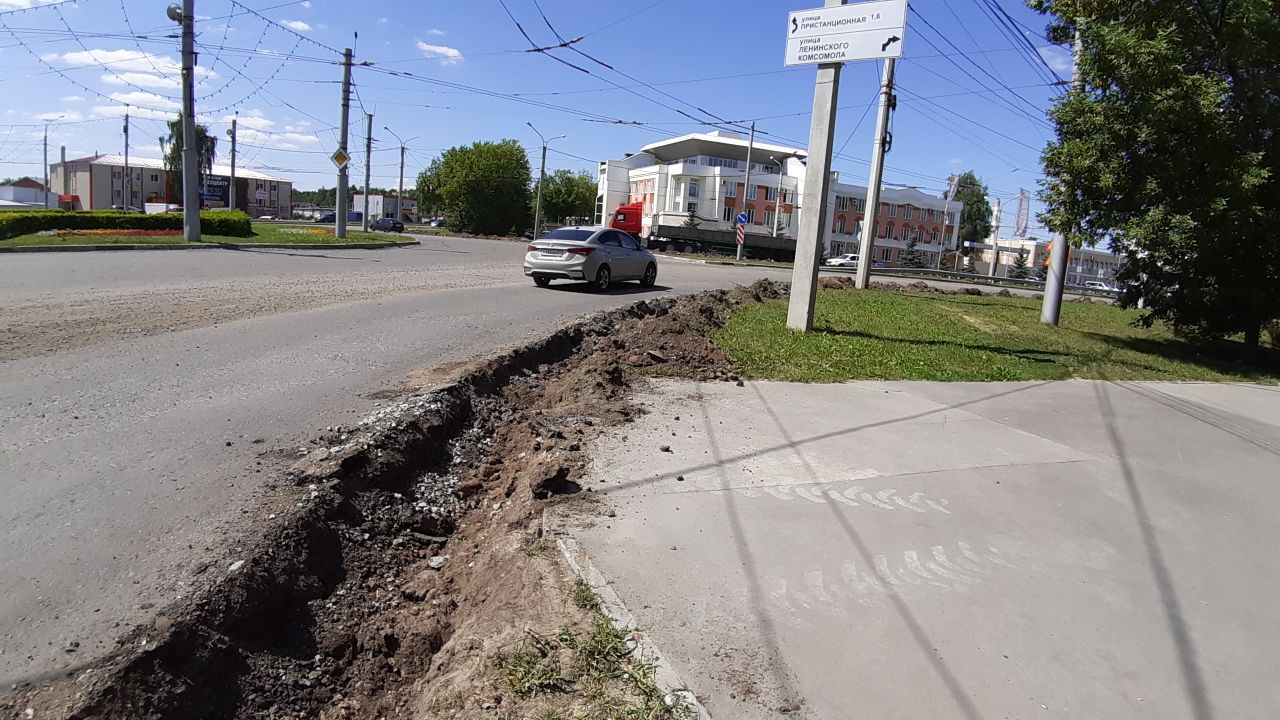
[{"x": 922, "y": 550}]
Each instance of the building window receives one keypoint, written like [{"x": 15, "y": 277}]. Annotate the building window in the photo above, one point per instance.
[
  {"x": 693, "y": 188},
  {"x": 731, "y": 189},
  {"x": 727, "y": 215},
  {"x": 840, "y": 225},
  {"x": 786, "y": 220},
  {"x": 693, "y": 207},
  {"x": 906, "y": 233},
  {"x": 908, "y": 211},
  {"x": 751, "y": 192},
  {"x": 842, "y": 202},
  {"x": 768, "y": 218},
  {"x": 751, "y": 216},
  {"x": 771, "y": 194},
  {"x": 893, "y": 211},
  {"x": 155, "y": 177},
  {"x": 886, "y": 254},
  {"x": 933, "y": 237},
  {"x": 888, "y": 230}
]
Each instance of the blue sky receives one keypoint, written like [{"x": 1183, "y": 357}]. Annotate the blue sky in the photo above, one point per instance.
[{"x": 447, "y": 73}]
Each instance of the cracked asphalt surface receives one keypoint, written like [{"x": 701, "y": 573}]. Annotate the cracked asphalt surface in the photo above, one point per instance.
[{"x": 145, "y": 396}]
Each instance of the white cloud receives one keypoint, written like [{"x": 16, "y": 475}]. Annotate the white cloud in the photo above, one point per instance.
[
  {"x": 435, "y": 31},
  {"x": 306, "y": 4},
  {"x": 956, "y": 161},
  {"x": 296, "y": 25},
  {"x": 72, "y": 98},
  {"x": 61, "y": 116},
  {"x": 383, "y": 20},
  {"x": 106, "y": 111},
  {"x": 21, "y": 4},
  {"x": 125, "y": 61},
  {"x": 1058, "y": 58},
  {"x": 447, "y": 55},
  {"x": 140, "y": 99},
  {"x": 142, "y": 80}
]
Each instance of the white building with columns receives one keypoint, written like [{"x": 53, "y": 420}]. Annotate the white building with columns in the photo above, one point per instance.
[{"x": 706, "y": 172}]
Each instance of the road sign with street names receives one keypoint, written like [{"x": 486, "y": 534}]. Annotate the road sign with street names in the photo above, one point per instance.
[
  {"x": 846, "y": 33},
  {"x": 340, "y": 158}
]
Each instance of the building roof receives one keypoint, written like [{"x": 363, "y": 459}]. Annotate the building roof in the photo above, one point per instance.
[
  {"x": 718, "y": 144},
  {"x": 158, "y": 164},
  {"x": 25, "y": 182}
]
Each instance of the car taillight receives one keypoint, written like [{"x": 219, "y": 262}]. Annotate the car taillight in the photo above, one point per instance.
[
  {"x": 581, "y": 251},
  {"x": 531, "y": 248}
]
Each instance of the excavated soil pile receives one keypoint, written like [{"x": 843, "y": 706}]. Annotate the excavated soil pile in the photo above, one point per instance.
[{"x": 413, "y": 560}]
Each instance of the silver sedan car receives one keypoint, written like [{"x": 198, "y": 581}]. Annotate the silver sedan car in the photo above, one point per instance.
[{"x": 598, "y": 255}]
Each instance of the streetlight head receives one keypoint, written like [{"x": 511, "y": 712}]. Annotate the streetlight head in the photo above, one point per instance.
[
  {"x": 560, "y": 137},
  {"x": 526, "y": 122},
  {"x": 174, "y": 11}
]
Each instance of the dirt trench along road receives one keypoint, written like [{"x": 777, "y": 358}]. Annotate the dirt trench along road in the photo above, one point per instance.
[{"x": 145, "y": 396}]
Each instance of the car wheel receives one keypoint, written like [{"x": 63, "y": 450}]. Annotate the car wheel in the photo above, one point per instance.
[
  {"x": 603, "y": 278},
  {"x": 542, "y": 281},
  {"x": 650, "y": 277}
]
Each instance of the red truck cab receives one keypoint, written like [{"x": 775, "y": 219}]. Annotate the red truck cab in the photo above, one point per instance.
[{"x": 627, "y": 218}]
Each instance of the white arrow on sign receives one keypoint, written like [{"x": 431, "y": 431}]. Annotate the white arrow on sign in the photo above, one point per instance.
[{"x": 844, "y": 33}]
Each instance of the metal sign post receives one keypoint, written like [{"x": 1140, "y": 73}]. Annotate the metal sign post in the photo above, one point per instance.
[{"x": 827, "y": 37}]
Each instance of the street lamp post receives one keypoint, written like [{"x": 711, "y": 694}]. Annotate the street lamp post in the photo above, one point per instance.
[
  {"x": 777, "y": 197},
  {"x": 542, "y": 177},
  {"x": 400, "y": 187},
  {"x": 46, "y": 158}
]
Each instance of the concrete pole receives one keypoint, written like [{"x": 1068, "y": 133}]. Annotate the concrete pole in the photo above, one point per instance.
[
  {"x": 777, "y": 198},
  {"x": 66, "y": 180},
  {"x": 537, "y": 205},
  {"x": 946, "y": 208},
  {"x": 1051, "y": 307},
  {"x": 995, "y": 240},
  {"x": 863, "y": 276},
  {"x": 190, "y": 153},
  {"x": 128, "y": 176},
  {"x": 231, "y": 192},
  {"x": 400, "y": 189},
  {"x": 342, "y": 201},
  {"x": 746, "y": 185},
  {"x": 955, "y": 236},
  {"x": 46, "y": 164},
  {"x": 817, "y": 178},
  {"x": 368, "y": 165}
]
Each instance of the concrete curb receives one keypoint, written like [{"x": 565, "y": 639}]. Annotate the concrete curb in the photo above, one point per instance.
[
  {"x": 673, "y": 258},
  {"x": 209, "y": 246},
  {"x": 645, "y": 649}
]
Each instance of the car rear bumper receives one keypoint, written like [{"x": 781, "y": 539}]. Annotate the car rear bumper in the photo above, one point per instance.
[{"x": 562, "y": 273}]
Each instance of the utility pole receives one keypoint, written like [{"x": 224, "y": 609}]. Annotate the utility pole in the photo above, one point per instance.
[
  {"x": 340, "y": 214},
  {"x": 128, "y": 177},
  {"x": 186, "y": 16},
  {"x": 953, "y": 184},
  {"x": 400, "y": 187},
  {"x": 66, "y": 181},
  {"x": 865, "y": 244},
  {"x": 1051, "y": 306},
  {"x": 746, "y": 184},
  {"x": 46, "y": 163},
  {"x": 231, "y": 192},
  {"x": 368, "y": 164},
  {"x": 817, "y": 180},
  {"x": 542, "y": 178},
  {"x": 777, "y": 197},
  {"x": 995, "y": 240}
]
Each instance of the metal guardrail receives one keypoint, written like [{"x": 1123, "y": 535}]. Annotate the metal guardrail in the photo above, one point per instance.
[{"x": 972, "y": 279}]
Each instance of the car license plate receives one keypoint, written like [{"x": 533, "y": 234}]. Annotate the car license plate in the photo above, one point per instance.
[{"x": 552, "y": 253}]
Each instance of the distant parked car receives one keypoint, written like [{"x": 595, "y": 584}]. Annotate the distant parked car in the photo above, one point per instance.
[
  {"x": 127, "y": 208},
  {"x": 327, "y": 218},
  {"x": 267, "y": 217},
  {"x": 846, "y": 260},
  {"x": 1098, "y": 285},
  {"x": 387, "y": 225},
  {"x": 438, "y": 222}
]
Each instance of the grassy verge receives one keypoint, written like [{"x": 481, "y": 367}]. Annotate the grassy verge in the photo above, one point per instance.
[
  {"x": 924, "y": 336},
  {"x": 263, "y": 233},
  {"x": 591, "y": 673}
]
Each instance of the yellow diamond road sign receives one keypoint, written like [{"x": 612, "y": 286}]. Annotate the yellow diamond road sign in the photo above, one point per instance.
[{"x": 340, "y": 158}]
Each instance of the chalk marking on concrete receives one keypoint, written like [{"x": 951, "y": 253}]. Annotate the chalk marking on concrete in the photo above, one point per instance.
[
  {"x": 941, "y": 572},
  {"x": 908, "y": 506},
  {"x": 810, "y": 494},
  {"x": 940, "y": 555},
  {"x": 938, "y": 504},
  {"x": 849, "y": 572},
  {"x": 834, "y": 495},
  {"x": 813, "y": 578},
  {"x": 970, "y": 558},
  {"x": 781, "y": 492},
  {"x": 873, "y": 500},
  {"x": 993, "y": 556},
  {"x": 883, "y": 572}
]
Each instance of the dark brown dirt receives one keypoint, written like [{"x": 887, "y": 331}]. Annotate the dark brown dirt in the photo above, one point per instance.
[{"x": 412, "y": 555}]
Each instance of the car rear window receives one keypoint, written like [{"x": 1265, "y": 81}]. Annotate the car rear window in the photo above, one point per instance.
[{"x": 566, "y": 234}]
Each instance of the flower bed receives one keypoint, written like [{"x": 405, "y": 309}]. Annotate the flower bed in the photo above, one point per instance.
[
  {"x": 307, "y": 230},
  {"x": 111, "y": 233}
]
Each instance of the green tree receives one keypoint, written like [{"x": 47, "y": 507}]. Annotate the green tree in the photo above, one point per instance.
[
  {"x": 1169, "y": 154},
  {"x": 484, "y": 187},
  {"x": 1020, "y": 270},
  {"x": 567, "y": 195},
  {"x": 171, "y": 147},
  {"x": 975, "y": 218},
  {"x": 691, "y": 220},
  {"x": 425, "y": 192},
  {"x": 912, "y": 256}
]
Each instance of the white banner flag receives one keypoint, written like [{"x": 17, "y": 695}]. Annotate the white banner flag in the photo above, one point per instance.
[
  {"x": 952, "y": 187},
  {"x": 1024, "y": 213}
]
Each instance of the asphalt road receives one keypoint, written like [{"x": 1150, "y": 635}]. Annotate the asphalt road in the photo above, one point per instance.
[
  {"x": 952, "y": 550},
  {"x": 134, "y": 384}
]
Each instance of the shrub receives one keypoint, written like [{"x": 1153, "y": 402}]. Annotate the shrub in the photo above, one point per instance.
[{"x": 25, "y": 222}]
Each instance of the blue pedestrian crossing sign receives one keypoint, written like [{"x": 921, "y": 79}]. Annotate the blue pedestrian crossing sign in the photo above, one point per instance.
[{"x": 742, "y": 218}]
